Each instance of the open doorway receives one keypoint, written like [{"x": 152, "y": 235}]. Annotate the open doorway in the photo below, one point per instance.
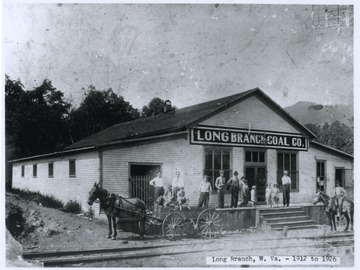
[
  {"x": 256, "y": 176},
  {"x": 340, "y": 176},
  {"x": 140, "y": 176}
]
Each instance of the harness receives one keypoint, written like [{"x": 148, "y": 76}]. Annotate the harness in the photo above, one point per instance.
[{"x": 110, "y": 201}]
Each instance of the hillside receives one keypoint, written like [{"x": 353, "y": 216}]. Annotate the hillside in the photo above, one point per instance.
[{"x": 309, "y": 112}]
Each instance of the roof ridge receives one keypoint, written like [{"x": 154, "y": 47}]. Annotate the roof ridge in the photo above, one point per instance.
[{"x": 227, "y": 97}]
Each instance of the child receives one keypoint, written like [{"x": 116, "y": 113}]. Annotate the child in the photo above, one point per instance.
[
  {"x": 167, "y": 198},
  {"x": 253, "y": 195},
  {"x": 245, "y": 192},
  {"x": 181, "y": 199},
  {"x": 268, "y": 195},
  {"x": 275, "y": 196}
]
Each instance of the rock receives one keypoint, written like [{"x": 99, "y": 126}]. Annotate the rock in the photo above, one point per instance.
[{"x": 14, "y": 254}]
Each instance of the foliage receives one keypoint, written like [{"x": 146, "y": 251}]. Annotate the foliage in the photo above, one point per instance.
[
  {"x": 72, "y": 207},
  {"x": 35, "y": 120},
  {"x": 155, "y": 106},
  {"x": 99, "y": 110},
  {"x": 337, "y": 135},
  {"x": 44, "y": 200}
]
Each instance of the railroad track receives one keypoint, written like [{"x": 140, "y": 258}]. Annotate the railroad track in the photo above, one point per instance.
[{"x": 68, "y": 258}]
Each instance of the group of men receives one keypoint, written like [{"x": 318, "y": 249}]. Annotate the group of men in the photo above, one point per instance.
[
  {"x": 176, "y": 193},
  {"x": 236, "y": 185}
]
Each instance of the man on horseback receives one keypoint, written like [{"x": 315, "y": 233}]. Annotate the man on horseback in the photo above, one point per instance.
[{"x": 340, "y": 194}]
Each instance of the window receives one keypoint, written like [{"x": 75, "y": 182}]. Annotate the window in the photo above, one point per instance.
[
  {"x": 255, "y": 156},
  {"x": 72, "y": 168},
  {"x": 216, "y": 160},
  {"x": 22, "y": 170},
  {"x": 35, "y": 170},
  {"x": 51, "y": 169},
  {"x": 288, "y": 162},
  {"x": 320, "y": 175}
]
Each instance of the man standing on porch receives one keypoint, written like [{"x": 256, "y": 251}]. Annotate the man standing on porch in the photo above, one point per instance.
[
  {"x": 234, "y": 183},
  {"x": 220, "y": 185},
  {"x": 158, "y": 184},
  {"x": 286, "y": 182}
]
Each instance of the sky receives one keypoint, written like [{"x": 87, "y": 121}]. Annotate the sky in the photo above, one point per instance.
[{"x": 187, "y": 53}]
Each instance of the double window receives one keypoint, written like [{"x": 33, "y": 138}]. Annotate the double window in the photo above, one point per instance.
[
  {"x": 217, "y": 159},
  {"x": 287, "y": 161}
]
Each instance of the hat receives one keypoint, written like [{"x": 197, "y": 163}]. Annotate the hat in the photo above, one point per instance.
[
  {"x": 253, "y": 187},
  {"x": 221, "y": 171},
  {"x": 236, "y": 173},
  {"x": 182, "y": 187},
  {"x": 286, "y": 171}
]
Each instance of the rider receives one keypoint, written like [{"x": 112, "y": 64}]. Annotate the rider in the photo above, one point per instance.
[{"x": 340, "y": 194}]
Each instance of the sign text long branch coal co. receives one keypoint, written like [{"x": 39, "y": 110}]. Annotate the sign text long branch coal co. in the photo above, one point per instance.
[{"x": 242, "y": 137}]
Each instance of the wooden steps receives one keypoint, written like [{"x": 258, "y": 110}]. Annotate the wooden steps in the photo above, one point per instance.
[{"x": 293, "y": 218}]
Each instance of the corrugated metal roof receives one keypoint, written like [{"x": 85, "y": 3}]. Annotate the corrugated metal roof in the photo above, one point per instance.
[{"x": 176, "y": 120}]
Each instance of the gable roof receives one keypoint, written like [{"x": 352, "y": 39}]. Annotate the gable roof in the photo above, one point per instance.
[
  {"x": 179, "y": 120},
  {"x": 332, "y": 150}
]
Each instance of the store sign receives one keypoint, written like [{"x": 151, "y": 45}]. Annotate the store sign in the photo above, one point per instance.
[{"x": 243, "y": 137}]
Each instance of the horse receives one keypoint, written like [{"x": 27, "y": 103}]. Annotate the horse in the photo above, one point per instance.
[
  {"x": 332, "y": 209},
  {"x": 130, "y": 212}
]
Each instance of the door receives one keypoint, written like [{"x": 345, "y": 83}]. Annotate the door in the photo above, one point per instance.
[
  {"x": 256, "y": 176},
  {"x": 140, "y": 176}
]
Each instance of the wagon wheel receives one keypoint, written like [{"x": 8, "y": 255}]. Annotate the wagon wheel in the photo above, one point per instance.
[
  {"x": 172, "y": 226},
  {"x": 152, "y": 226},
  {"x": 210, "y": 223}
]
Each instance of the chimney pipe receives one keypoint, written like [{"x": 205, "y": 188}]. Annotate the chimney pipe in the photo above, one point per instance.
[{"x": 167, "y": 106}]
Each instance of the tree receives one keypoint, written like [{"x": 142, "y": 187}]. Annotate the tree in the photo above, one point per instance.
[
  {"x": 155, "y": 106},
  {"x": 35, "y": 120},
  {"x": 337, "y": 135},
  {"x": 99, "y": 110}
]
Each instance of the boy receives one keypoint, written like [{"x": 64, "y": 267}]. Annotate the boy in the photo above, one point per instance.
[
  {"x": 268, "y": 195},
  {"x": 167, "y": 198},
  {"x": 181, "y": 199}
]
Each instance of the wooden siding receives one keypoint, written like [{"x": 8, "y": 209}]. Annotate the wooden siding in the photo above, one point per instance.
[
  {"x": 307, "y": 173},
  {"x": 175, "y": 154},
  {"x": 61, "y": 186},
  {"x": 252, "y": 111}
]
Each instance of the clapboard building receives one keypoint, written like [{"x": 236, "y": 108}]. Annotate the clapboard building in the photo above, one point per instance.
[{"x": 247, "y": 132}]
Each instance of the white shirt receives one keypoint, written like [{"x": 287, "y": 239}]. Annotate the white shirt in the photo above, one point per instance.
[
  {"x": 177, "y": 182},
  {"x": 205, "y": 187},
  {"x": 157, "y": 182},
  {"x": 340, "y": 191},
  {"x": 286, "y": 180}
]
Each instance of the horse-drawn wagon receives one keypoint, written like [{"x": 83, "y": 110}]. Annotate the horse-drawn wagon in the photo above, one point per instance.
[{"x": 132, "y": 216}]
